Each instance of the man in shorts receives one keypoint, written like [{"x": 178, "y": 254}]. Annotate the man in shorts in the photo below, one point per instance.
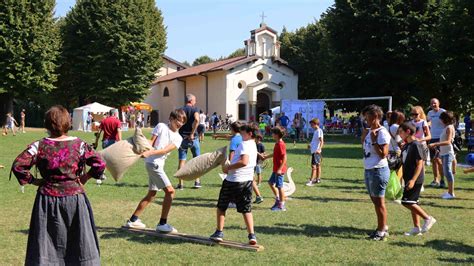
[{"x": 436, "y": 130}]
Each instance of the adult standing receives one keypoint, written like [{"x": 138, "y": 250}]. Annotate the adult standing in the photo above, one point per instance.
[
  {"x": 202, "y": 125},
  {"x": 190, "y": 137},
  {"x": 89, "y": 121},
  {"x": 437, "y": 128},
  {"x": 302, "y": 123},
  {"x": 214, "y": 122},
  {"x": 22, "y": 121},
  {"x": 111, "y": 127},
  {"x": 375, "y": 140},
  {"x": 284, "y": 120}
]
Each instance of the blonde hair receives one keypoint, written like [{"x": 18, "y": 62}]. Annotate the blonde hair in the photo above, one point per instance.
[
  {"x": 419, "y": 110},
  {"x": 314, "y": 121}
]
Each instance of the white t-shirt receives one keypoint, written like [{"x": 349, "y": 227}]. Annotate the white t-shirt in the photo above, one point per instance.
[
  {"x": 436, "y": 124},
  {"x": 446, "y": 149},
  {"x": 245, "y": 173},
  {"x": 420, "y": 125},
  {"x": 371, "y": 158},
  {"x": 315, "y": 143},
  {"x": 202, "y": 119},
  {"x": 164, "y": 138},
  {"x": 396, "y": 138}
]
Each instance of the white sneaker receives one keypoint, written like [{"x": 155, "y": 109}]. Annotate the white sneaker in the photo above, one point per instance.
[
  {"x": 415, "y": 231},
  {"x": 137, "y": 224},
  {"x": 310, "y": 183},
  {"x": 428, "y": 224},
  {"x": 447, "y": 196},
  {"x": 166, "y": 228}
]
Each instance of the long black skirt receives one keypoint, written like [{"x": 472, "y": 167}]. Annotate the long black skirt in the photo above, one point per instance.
[{"x": 62, "y": 232}]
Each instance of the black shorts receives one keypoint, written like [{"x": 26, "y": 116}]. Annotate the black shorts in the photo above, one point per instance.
[
  {"x": 239, "y": 193},
  {"x": 201, "y": 128},
  {"x": 316, "y": 159},
  {"x": 411, "y": 196},
  {"x": 434, "y": 153}
]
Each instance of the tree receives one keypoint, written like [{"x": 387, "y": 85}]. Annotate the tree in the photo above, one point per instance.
[
  {"x": 238, "y": 52},
  {"x": 29, "y": 44},
  {"x": 111, "y": 50},
  {"x": 202, "y": 60}
]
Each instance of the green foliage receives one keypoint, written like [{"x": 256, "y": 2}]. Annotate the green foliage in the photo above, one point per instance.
[
  {"x": 238, "y": 52},
  {"x": 111, "y": 50},
  {"x": 29, "y": 44},
  {"x": 202, "y": 60}
]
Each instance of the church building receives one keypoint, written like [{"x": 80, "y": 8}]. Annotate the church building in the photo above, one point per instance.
[{"x": 243, "y": 86}]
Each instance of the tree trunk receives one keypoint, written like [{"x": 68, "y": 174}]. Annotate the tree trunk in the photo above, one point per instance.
[{"x": 6, "y": 106}]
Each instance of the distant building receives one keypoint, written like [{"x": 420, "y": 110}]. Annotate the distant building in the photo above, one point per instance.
[{"x": 243, "y": 86}]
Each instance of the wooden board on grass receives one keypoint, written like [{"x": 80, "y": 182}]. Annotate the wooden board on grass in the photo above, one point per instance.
[{"x": 196, "y": 239}]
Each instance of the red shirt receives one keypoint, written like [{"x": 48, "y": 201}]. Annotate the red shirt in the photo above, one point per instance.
[
  {"x": 279, "y": 152},
  {"x": 110, "y": 126}
]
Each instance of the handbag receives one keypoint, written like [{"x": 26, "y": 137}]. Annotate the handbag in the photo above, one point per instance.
[{"x": 394, "y": 159}]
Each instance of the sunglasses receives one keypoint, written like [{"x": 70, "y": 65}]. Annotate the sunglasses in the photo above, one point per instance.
[{"x": 414, "y": 114}]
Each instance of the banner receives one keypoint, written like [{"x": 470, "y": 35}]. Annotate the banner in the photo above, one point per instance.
[{"x": 308, "y": 109}]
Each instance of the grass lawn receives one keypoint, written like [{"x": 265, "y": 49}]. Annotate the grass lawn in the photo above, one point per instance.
[{"x": 324, "y": 224}]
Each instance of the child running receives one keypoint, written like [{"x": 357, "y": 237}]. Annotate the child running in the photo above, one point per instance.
[
  {"x": 279, "y": 169},
  {"x": 165, "y": 138},
  {"x": 10, "y": 125},
  {"x": 413, "y": 175},
  {"x": 237, "y": 186},
  {"x": 316, "y": 147}
]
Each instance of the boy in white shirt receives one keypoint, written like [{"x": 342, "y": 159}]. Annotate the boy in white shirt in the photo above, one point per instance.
[
  {"x": 237, "y": 186},
  {"x": 316, "y": 147},
  {"x": 165, "y": 138}
]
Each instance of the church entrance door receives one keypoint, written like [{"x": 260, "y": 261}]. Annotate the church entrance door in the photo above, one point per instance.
[{"x": 263, "y": 103}]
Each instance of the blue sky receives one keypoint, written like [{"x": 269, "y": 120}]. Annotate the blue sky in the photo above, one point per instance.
[{"x": 218, "y": 27}]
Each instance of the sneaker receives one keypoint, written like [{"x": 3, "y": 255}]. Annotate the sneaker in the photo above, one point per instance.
[
  {"x": 447, "y": 196},
  {"x": 385, "y": 230},
  {"x": 218, "y": 236},
  {"x": 258, "y": 200},
  {"x": 434, "y": 184},
  {"x": 137, "y": 224},
  {"x": 232, "y": 205},
  {"x": 165, "y": 228},
  {"x": 310, "y": 183},
  {"x": 318, "y": 180},
  {"x": 197, "y": 184},
  {"x": 252, "y": 239},
  {"x": 277, "y": 202},
  {"x": 415, "y": 231},
  {"x": 180, "y": 187},
  {"x": 279, "y": 208},
  {"x": 378, "y": 237},
  {"x": 442, "y": 184},
  {"x": 428, "y": 224}
]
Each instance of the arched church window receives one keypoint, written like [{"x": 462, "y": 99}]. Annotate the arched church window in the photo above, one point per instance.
[{"x": 166, "y": 92}]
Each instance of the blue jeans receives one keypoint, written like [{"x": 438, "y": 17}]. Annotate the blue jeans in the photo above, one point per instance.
[
  {"x": 107, "y": 142},
  {"x": 188, "y": 144},
  {"x": 447, "y": 160},
  {"x": 376, "y": 181}
]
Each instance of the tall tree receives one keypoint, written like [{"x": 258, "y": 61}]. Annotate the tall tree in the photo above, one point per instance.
[
  {"x": 111, "y": 50},
  {"x": 204, "y": 59},
  {"x": 29, "y": 45}
]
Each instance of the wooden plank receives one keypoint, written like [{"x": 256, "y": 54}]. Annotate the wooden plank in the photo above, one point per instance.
[{"x": 196, "y": 239}]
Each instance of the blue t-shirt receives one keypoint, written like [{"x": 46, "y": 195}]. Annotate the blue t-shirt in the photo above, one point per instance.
[
  {"x": 235, "y": 141},
  {"x": 284, "y": 120}
]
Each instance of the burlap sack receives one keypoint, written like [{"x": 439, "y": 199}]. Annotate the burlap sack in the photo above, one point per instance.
[
  {"x": 199, "y": 166},
  {"x": 123, "y": 154}
]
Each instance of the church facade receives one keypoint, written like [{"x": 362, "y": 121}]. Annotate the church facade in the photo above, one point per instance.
[{"x": 242, "y": 87}]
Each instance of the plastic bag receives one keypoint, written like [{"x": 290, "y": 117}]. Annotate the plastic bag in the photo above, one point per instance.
[{"x": 394, "y": 188}]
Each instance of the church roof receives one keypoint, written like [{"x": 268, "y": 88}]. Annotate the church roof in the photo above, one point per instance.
[
  {"x": 174, "y": 61},
  {"x": 224, "y": 64}
]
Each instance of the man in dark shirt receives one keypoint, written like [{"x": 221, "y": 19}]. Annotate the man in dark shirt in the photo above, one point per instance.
[
  {"x": 413, "y": 157},
  {"x": 111, "y": 128},
  {"x": 190, "y": 137},
  {"x": 284, "y": 120}
]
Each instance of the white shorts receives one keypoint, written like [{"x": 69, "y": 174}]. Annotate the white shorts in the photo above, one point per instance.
[{"x": 157, "y": 178}]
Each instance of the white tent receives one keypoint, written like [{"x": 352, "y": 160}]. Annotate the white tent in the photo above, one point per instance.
[{"x": 79, "y": 115}]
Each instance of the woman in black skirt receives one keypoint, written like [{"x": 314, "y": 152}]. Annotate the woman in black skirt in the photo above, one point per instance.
[{"x": 62, "y": 229}]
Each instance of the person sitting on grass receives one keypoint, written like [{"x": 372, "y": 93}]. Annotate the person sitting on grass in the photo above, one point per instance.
[
  {"x": 279, "y": 169},
  {"x": 165, "y": 138},
  {"x": 316, "y": 147},
  {"x": 62, "y": 229},
  {"x": 413, "y": 156},
  {"x": 237, "y": 186}
]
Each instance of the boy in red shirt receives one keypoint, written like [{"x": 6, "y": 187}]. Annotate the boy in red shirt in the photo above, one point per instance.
[{"x": 279, "y": 169}]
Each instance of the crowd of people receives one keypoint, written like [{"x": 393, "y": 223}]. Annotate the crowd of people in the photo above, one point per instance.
[{"x": 61, "y": 195}]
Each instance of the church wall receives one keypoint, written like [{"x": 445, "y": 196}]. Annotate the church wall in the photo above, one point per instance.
[
  {"x": 197, "y": 86},
  {"x": 166, "y": 104},
  {"x": 167, "y": 68},
  {"x": 217, "y": 92}
]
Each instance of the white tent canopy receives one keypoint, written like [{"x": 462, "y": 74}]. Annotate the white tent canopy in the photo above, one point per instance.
[{"x": 80, "y": 114}]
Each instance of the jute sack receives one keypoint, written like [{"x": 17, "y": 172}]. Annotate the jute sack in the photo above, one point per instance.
[
  {"x": 202, "y": 164},
  {"x": 123, "y": 154}
]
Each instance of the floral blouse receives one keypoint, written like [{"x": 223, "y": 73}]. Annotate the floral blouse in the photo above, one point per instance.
[{"x": 61, "y": 163}]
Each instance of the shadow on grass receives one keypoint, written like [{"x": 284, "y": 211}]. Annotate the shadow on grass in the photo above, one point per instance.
[
  {"x": 435, "y": 205},
  {"x": 22, "y": 231},
  {"x": 442, "y": 245},
  {"x": 310, "y": 230},
  {"x": 195, "y": 202},
  {"x": 123, "y": 185},
  {"x": 349, "y": 152},
  {"x": 325, "y": 199},
  {"x": 112, "y": 233},
  {"x": 354, "y": 188},
  {"x": 347, "y": 180}
]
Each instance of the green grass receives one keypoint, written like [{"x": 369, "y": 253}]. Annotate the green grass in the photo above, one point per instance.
[{"x": 324, "y": 224}]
